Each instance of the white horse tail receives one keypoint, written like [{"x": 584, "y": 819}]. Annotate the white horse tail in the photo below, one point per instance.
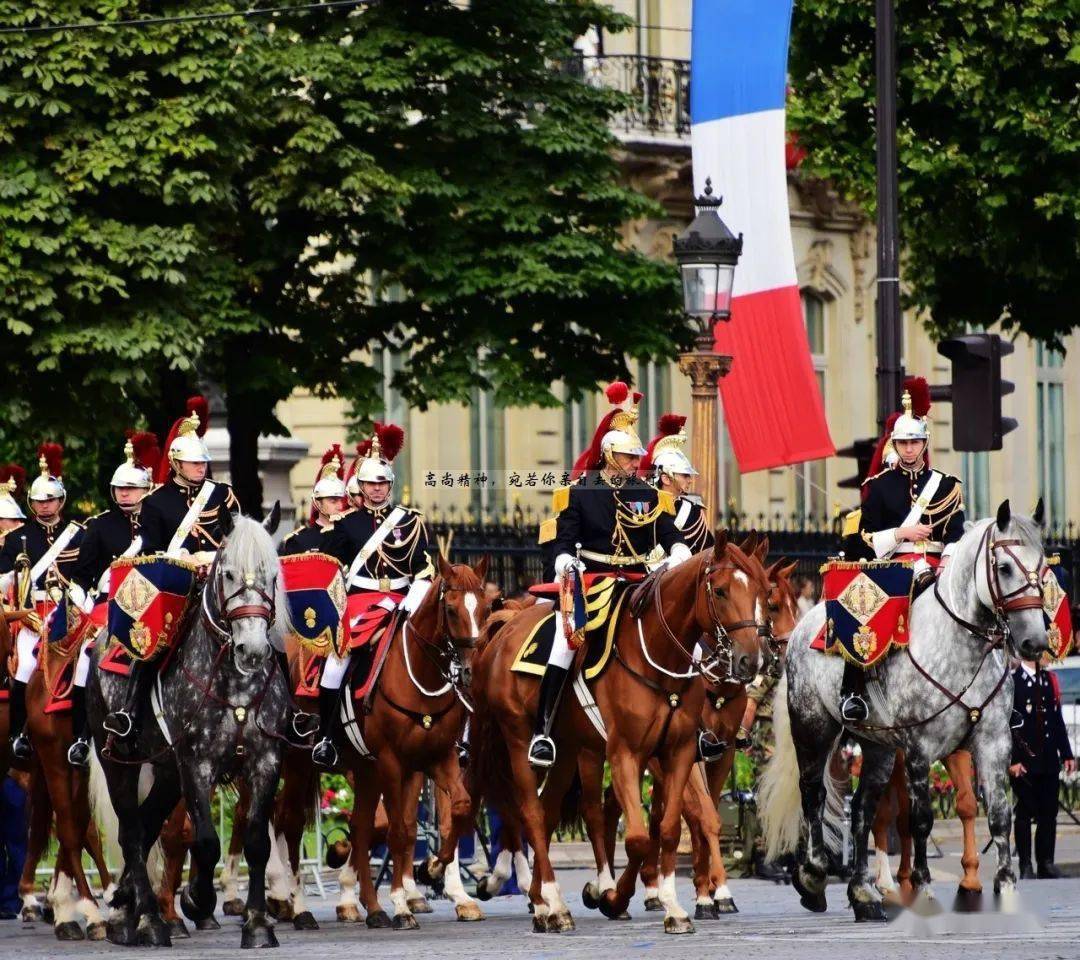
[
  {"x": 779, "y": 800},
  {"x": 104, "y": 815}
]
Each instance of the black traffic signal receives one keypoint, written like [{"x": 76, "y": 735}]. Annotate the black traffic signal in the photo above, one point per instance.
[
  {"x": 977, "y": 389},
  {"x": 863, "y": 452}
]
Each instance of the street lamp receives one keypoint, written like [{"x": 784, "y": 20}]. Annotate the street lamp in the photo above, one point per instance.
[{"x": 707, "y": 253}]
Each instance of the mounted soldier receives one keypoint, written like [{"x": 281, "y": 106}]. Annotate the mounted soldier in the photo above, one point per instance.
[
  {"x": 37, "y": 561},
  {"x": 12, "y": 478},
  {"x": 328, "y": 498},
  {"x": 668, "y": 468},
  {"x": 608, "y": 524},
  {"x": 181, "y": 519},
  {"x": 111, "y": 534},
  {"x": 909, "y": 513},
  {"x": 384, "y": 548}
]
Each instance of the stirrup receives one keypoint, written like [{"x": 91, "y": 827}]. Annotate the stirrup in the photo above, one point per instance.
[
  {"x": 304, "y": 724},
  {"x": 21, "y": 747},
  {"x": 709, "y": 746},
  {"x": 541, "y": 751},
  {"x": 325, "y": 753},
  {"x": 853, "y": 709},
  {"x": 78, "y": 754},
  {"x": 120, "y": 723}
]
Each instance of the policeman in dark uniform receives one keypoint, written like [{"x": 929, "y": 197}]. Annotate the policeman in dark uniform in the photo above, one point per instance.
[
  {"x": 182, "y": 519},
  {"x": 1040, "y": 746},
  {"x": 609, "y": 522},
  {"x": 51, "y": 546},
  {"x": 109, "y": 535},
  {"x": 328, "y": 498},
  {"x": 384, "y": 549},
  {"x": 909, "y": 513}
]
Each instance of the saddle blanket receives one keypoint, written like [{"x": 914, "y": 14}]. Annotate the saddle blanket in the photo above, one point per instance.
[
  {"x": 367, "y": 614},
  {"x": 1056, "y": 612},
  {"x": 867, "y": 609}
]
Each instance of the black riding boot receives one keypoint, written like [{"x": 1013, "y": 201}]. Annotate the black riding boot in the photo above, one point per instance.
[
  {"x": 709, "y": 746},
  {"x": 542, "y": 747},
  {"x": 20, "y": 742},
  {"x": 853, "y": 708},
  {"x": 1022, "y": 832},
  {"x": 124, "y": 723},
  {"x": 299, "y": 724},
  {"x": 79, "y": 752},
  {"x": 325, "y": 753}
]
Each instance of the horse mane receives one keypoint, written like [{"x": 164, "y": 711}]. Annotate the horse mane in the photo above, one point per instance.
[{"x": 249, "y": 546}]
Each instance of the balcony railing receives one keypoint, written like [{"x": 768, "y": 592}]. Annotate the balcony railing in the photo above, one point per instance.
[{"x": 659, "y": 89}]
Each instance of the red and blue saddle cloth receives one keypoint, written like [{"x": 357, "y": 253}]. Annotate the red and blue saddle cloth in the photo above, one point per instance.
[
  {"x": 867, "y": 609},
  {"x": 1056, "y": 610}
]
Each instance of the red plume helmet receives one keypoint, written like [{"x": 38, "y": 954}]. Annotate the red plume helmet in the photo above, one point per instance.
[
  {"x": 668, "y": 425},
  {"x": 391, "y": 439},
  {"x": 12, "y": 471},
  {"x": 919, "y": 391},
  {"x": 592, "y": 458},
  {"x": 200, "y": 405},
  {"x": 54, "y": 458},
  {"x": 197, "y": 405},
  {"x": 147, "y": 450}
]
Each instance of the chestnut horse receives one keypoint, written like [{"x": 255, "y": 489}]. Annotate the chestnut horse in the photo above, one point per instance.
[{"x": 648, "y": 700}]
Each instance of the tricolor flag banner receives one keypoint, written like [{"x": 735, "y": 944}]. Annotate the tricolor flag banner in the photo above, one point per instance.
[{"x": 738, "y": 85}]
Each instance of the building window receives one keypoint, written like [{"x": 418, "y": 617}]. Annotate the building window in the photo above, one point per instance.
[
  {"x": 975, "y": 472},
  {"x": 1050, "y": 400},
  {"x": 394, "y": 409},
  {"x": 653, "y": 380},
  {"x": 487, "y": 451},
  {"x": 579, "y": 423},
  {"x": 811, "y": 498}
]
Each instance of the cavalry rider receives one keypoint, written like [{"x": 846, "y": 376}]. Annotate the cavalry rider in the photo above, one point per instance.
[
  {"x": 181, "y": 519},
  {"x": 668, "y": 468},
  {"x": 111, "y": 534},
  {"x": 609, "y": 522},
  {"x": 909, "y": 513},
  {"x": 11, "y": 515},
  {"x": 384, "y": 547},
  {"x": 51, "y": 546},
  {"x": 328, "y": 498}
]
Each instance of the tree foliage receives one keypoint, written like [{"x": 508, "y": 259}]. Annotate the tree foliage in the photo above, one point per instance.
[
  {"x": 262, "y": 202},
  {"x": 989, "y": 148}
]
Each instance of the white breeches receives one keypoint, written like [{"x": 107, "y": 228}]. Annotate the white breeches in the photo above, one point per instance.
[
  {"x": 561, "y": 654},
  {"x": 25, "y": 643},
  {"x": 82, "y": 666},
  {"x": 333, "y": 672}
]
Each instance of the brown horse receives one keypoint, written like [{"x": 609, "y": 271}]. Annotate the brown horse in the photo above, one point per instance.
[
  {"x": 648, "y": 700},
  {"x": 415, "y": 718}
]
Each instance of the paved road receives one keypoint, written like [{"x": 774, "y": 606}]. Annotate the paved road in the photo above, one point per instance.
[{"x": 771, "y": 926}]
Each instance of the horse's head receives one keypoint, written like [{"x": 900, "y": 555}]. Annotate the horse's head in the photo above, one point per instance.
[
  {"x": 1008, "y": 577},
  {"x": 781, "y": 605},
  {"x": 731, "y": 606},
  {"x": 242, "y": 586},
  {"x": 464, "y": 607}
]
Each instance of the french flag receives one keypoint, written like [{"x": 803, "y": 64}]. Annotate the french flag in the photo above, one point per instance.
[{"x": 738, "y": 86}]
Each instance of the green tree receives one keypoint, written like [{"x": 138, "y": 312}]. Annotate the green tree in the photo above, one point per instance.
[
  {"x": 989, "y": 148},
  {"x": 261, "y": 203}
]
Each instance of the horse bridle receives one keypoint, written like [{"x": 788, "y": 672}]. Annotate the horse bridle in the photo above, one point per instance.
[
  {"x": 260, "y": 611},
  {"x": 455, "y": 674}
]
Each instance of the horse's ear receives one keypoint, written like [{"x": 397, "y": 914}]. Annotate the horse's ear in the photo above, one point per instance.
[
  {"x": 270, "y": 524},
  {"x": 789, "y": 569},
  {"x": 721, "y": 537},
  {"x": 772, "y": 569},
  {"x": 481, "y": 568},
  {"x": 749, "y": 543},
  {"x": 1004, "y": 515},
  {"x": 762, "y": 550},
  {"x": 1039, "y": 514},
  {"x": 226, "y": 521},
  {"x": 446, "y": 570}
]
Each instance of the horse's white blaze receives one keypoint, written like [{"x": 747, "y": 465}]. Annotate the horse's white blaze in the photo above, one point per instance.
[
  {"x": 742, "y": 578},
  {"x": 604, "y": 880},
  {"x": 400, "y": 902},
  {"x": 524, "y": 872},
  {"x": 553, "y": 898},
  {"x": 63, "y": 901},
  {"x": 455, "y": 890},
  {"x": 723, "y": 893},
  {"x": 670, "y": 899},
  {"x": 470, "y": 607},
  {"x": 884, "y": 872},
  {"x": 347, "y": 881}
]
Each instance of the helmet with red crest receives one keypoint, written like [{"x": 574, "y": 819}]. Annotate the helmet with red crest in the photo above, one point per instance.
[{"x": 49, "y": 485}]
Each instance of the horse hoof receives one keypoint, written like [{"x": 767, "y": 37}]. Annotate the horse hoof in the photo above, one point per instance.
[
  {"x": 468, "y": 912},
  {"x": 188, "y": 906},
  {"x": 69, "y": 931},
  {"x": 678, "y": 925},
  {"x": 256, "y": 934},
  {"x": 590, "y": 896},
  {"x": 178, "y": 929},
  {"x": 405, "y": 921},
  {"x": 540, "y": 923},
  {"x": 152, "y": 932},
  {"x": 482, "y": 891},
  {"x": 96, "y": 931},
  {"x": 706, "y": 911},
  {"x": 305, "y": 921},
  {"x": 31, "y": 913},
  {"x": 725, "y": 905},
  {"x": 869, "y": 911},
  {"x": 235, "y": 907},
  {"x": 622, "y": 916},
  {"x": 120, "y": 931},
  {"x": 280, "y": 909},
  {"x": 560, "y": 922},
  {"x": 814, "y": 901},
  {"x": 419, "y": 905},
  {"x": 379, "y": 920},
  {"x": 207, "y": 923},
  {"x": 348, "y": 913},
  {"x": 653, "y": 904},
  {"x": 968, "y": 901},
  {"x": 430, "y": 871},
  {"x": 609, "y": 904}
]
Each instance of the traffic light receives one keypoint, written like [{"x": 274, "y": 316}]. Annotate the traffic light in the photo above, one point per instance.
[
  {"x": 977, "y": 389},
  {"x": 863, "y": 452}
]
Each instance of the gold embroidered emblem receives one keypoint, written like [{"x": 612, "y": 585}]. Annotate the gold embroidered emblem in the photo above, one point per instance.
[
  {"x": 1052, "y": 595},
  {"x": 140, "y": 636},
  {"x": 135, "y": 595},
  {"x": 384, "y": 584},
  {"x": 309, "y": 618},
  {"x": 864, "y": 641},
  {"x": 863, "y": 598}
]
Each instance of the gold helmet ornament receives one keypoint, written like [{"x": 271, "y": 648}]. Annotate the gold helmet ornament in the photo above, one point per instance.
[
  {"x": 375, "y": 457},
  {"x": 329, "y": 481},
  {"x": 665, "y": 453},
  {"x": 49, "y": 485},
  {"x": 616, "y": 432},
  {"x": 186, "y": 438},
  {"x": 137, "y": 470}
]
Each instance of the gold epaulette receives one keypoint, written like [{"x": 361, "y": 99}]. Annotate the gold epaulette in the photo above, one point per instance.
[
  {"x": 344, "y": 513},
  {"x": 547, "y": 530},
  {"x": 875, "y": 476},
  {"x": 560, "y": 500},
  {"x": 289, "y": 536},
  {"x": 665, "y": 501},
  {"x": 96, "y": 515},
  {"x": 851, "y": 522}
]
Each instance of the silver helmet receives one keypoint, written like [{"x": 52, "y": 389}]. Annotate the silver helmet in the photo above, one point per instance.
[
  {"x": 9, "y": 508},
  {"x": 187, "y": 444},
  {"x": 908, "y": 426},
  {"x": 375, "y": 461},
  {"x": 329, "y": 483},
  {"x": 49, "y": 484},
  {"x": 130, "y": 473}
]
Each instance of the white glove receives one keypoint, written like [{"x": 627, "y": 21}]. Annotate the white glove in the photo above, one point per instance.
[
  {"x": 679, "y": 553},
  {"x": 922, "y": 565},
  {"x": 417, "y": 591},
  {"x": 79, "y": 597},
  {"x": 565, "y": 562}
]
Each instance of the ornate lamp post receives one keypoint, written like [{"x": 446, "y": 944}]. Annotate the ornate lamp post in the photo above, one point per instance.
[{"x": 707, "y": 253}]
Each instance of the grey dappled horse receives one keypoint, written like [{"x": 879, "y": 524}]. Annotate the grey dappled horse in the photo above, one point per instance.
[
  {"x": 224, "y": 703},
  {"x": 951, "y": 690}
]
